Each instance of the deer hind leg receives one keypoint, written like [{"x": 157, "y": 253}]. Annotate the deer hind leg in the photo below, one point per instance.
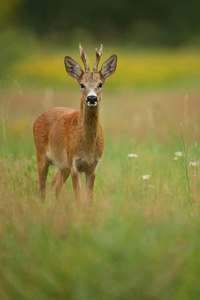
[
  {"x": 43, "y": 167},
  {"x": 59, "y": 179}
]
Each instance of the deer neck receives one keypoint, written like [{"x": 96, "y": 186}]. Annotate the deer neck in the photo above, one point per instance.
[{"x": 89, "y": 123}]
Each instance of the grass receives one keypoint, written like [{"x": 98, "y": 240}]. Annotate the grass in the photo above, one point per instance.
[{"x": 140, "y": 240}]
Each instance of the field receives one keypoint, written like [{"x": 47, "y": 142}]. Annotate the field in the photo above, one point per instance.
[{"x": 140, "y": 240}]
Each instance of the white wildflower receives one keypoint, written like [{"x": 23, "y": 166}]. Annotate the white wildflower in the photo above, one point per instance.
[
  {"x": 194, "y": 163},
  {"x": 178, "y": 153},
  {"x": 132, "y": 155},
  {"x": 145, "y": 177},
  {"x": 175, "y": 158},
  {"x": 151, "y": 186}
]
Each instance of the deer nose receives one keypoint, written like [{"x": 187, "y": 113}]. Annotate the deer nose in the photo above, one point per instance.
[{"x": 92, "y": 100}]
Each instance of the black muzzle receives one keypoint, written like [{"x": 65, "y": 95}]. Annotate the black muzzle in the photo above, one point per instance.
[{"x": 92, "y": 101}]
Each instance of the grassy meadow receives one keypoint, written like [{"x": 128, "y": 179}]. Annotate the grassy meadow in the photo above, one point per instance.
[{"x": 141, "y": 239}]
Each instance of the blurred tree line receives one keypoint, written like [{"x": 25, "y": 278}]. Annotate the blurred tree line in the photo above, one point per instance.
[{"x": 147, "y": 23}]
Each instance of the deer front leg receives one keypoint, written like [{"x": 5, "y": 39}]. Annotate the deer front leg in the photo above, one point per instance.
[
  {"x": 90, "y": 178},
  {"x": 76, "y": 179}
]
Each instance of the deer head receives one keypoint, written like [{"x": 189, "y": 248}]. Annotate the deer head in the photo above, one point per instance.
[{"x": 91, "y": 82}]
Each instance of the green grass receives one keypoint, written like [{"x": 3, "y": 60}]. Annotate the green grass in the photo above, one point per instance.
[
  {"x": 140, "y": 240},
  {"x": 137, "y": 242}
]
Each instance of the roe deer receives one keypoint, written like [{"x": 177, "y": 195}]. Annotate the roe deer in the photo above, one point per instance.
[{"x": 73, "y": 140}]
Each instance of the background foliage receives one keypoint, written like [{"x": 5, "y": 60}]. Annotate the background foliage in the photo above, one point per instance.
[{"x": 153, "y": 22}]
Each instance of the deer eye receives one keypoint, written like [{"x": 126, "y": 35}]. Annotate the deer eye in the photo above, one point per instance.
[
  {"x": 82, "y": 85},
  {"x": 100, "y": 85}
]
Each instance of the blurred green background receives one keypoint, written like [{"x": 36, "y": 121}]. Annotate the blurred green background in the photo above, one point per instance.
[{"x": 150, "y": 23}]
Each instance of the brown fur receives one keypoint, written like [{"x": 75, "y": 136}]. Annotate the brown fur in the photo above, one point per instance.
[{"x": 72, "y": 140}]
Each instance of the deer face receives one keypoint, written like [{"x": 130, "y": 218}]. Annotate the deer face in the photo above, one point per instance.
[{"x": 91, "y": 82}]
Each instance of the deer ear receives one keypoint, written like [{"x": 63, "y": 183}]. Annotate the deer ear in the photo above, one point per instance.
[
  {"x": 73, "y": 68},
  {"x": 109, "y": 66}
]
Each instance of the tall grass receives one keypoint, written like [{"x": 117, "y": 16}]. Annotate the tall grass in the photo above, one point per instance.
[{"x": 140, "y": 240}]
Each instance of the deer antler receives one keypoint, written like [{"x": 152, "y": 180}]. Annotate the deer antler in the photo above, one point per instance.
[
  {"x": 82, "y": 55},
  {"x": 98, "y": 56}
]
